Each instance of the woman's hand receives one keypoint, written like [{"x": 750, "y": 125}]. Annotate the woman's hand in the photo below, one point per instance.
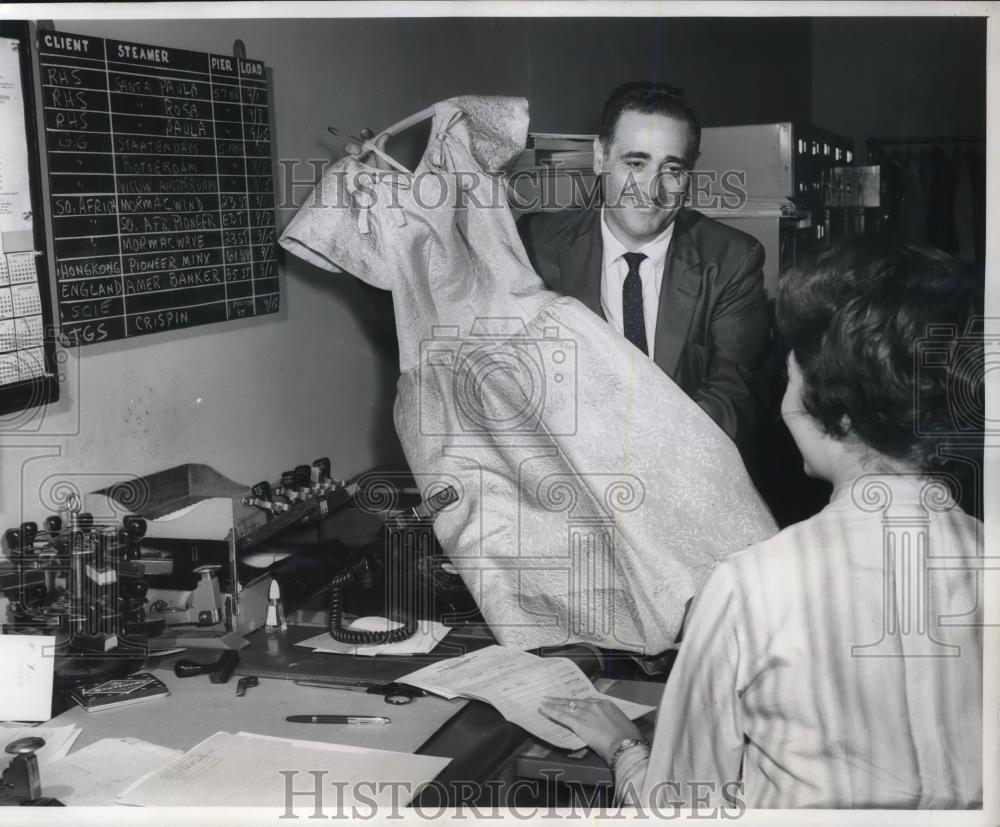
[{"x": 600, "y": 724}]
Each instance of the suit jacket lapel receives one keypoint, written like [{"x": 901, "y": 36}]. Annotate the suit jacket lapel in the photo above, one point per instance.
[
  {"x": 581, "y": 263},
  {"x": 678, "y": 295}
]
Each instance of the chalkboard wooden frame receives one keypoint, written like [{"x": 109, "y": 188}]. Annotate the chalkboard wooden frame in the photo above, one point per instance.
[{"x": 44, "y": 389}]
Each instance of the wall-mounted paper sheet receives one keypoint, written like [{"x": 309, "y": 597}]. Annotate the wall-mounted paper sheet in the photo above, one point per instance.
[
  {"x": 26, "y": 677},
  {"x": 15, "y": 195}
]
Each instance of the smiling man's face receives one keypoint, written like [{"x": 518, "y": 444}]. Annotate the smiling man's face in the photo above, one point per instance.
[{"x": 645, "y": 170}]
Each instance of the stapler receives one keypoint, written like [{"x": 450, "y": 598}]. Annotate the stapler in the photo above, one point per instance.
[
  {"x": 200, "y": 618},
  {"x": 203, "y": 606},
  {"x": 21, "y": 784}
]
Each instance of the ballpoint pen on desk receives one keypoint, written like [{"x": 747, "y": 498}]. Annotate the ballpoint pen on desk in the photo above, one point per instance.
[{"x": 338, "y": 719}]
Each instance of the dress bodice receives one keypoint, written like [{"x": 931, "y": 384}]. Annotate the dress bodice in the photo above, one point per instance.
[{"x": 438, "y": 236}]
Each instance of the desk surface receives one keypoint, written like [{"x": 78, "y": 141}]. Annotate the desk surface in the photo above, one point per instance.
[
  {"x": 196, "y": 708},
  {"x": 480, "y": 743},
  {"x": 474, "y": 735},
  {"x": 276, "y": 655}
]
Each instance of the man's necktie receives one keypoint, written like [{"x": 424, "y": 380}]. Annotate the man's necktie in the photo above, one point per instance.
[{"x": 632, "y": 313}]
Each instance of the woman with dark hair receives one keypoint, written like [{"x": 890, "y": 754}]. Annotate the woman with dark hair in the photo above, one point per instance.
[{"x": 839, "y": 663}]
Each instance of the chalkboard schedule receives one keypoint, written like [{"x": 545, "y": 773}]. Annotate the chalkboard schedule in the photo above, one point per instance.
[{"x": 161, "y": 186}]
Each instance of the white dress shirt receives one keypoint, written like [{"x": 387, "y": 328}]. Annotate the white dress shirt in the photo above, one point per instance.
[{"x": 615, "y": 269}]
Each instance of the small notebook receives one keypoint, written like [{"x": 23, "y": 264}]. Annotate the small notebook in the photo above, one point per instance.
[{"x": 119, "y": 692}]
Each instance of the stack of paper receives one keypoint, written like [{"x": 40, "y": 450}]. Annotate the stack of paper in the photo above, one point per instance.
[
  {"x": 515, "y": 682},
  {"x": 249, "y": 770},
  {"x": 97, "y": 774},
  {"x": 58, "y": 740},
  {"x": 428, "y": 635}
]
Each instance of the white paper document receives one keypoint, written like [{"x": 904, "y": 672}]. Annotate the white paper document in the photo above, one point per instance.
[
  {"x": 58, "y": 740},
  {"x": 515, "y": 682},
  {"x": 428, "y": 635},
  {"x": 95, "y": 775},
  {"x": 26, "y": 677},
  {"x": 15, "y": 192},
  {"x": 242, "y": 770}
]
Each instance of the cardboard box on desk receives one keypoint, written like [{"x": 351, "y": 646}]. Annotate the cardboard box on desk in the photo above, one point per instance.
[{"x": 196, "y": 504}]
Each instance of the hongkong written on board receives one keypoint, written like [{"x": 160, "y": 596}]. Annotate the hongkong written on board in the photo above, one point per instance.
[{"x": 161, "y": 184}]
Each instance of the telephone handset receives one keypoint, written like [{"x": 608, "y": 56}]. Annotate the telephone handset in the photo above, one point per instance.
[{"x": 408, "y": 555}]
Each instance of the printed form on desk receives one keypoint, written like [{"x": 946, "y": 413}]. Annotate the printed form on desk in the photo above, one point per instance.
[
  {"x": 514, "y": 682},
  {"x": 242, "y": 770},
  {"x": 95, "y": 775}
]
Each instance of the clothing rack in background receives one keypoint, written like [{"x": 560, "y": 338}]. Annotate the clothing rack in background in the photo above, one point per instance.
[{"x": 942, "y": 197}]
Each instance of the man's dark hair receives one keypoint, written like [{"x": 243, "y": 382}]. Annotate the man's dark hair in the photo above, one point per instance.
[
  {"x": 857, "y": 317},
  {"x": 652, "y": 99}
]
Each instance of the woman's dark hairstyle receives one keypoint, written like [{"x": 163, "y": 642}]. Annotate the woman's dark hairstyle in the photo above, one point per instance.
[
  {"x": 881, "y": 333},
  {"x": 653, "y": 99}
]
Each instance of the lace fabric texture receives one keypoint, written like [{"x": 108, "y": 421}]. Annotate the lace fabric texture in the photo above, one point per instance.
[{"x": 594, "y": 495}]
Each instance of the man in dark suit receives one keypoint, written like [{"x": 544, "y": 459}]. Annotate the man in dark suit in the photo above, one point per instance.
[{"x": 685, "y": 289}]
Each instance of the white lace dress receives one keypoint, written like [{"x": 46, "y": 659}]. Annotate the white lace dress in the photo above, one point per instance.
[{"x": 594, "y": 495}]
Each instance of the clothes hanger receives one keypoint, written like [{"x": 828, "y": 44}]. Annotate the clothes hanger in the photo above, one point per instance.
[
  {"x": 369, "y": 148},
  {"x": 368, "y": 145}
]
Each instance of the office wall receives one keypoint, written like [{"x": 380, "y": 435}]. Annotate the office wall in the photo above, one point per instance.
[
  {"x": 250, "y": 398},
  {"x": 899, "y": 77},
  {"x": 733, "y": 71}
]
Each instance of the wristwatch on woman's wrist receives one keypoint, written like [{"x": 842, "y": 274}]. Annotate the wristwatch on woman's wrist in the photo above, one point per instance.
[{"x": 628, "y": 743}]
